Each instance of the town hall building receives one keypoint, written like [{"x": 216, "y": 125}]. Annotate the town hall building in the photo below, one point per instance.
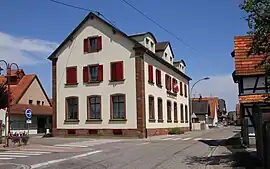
[{"x": 106, "y": 82}]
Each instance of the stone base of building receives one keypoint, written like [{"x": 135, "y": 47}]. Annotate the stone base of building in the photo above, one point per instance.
[{"x": 110, "y": 132}]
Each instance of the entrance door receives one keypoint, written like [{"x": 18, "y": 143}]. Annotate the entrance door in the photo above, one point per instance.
[{"x": 41, "y": 122}]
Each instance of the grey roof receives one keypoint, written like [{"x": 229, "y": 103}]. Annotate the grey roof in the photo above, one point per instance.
[
  {"x": 161, "y": 46},
  {"x": 144, "y": 33},
  {"x": 200, "y": 106}
]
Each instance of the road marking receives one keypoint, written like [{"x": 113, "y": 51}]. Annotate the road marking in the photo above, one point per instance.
[
  {"x": 176, "y": 139},
  {"x": 167, "y": 139},
  {"x": 15, "y": 156},
  {"x": 85, "y": 144},
  {"x": 196, "y": 139},
  {"x": 70, "y": 145},
  {"x": 142, "y": 144},
  {"x": 6, "y": 158},
  {"x": 207, "y": 139},
  {"x": 64, "y": 159},
  {"x": 186, "y": 138},
  {"x": 32, "y": 152}
]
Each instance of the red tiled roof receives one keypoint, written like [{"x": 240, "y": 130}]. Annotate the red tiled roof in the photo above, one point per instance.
[
  {"x": 36, "y": 109},
  {"x": 245, "y": 65}
]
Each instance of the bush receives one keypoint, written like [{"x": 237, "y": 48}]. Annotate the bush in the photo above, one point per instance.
[{"x": 176, "y": 130}]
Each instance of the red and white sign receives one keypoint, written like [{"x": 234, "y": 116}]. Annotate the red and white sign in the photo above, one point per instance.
[{"x": 176, "y": 88}]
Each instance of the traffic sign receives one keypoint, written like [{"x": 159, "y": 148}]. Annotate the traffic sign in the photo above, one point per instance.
[
  {"x": 28, "y": 121},
  {"x": 28, "y": 113}
]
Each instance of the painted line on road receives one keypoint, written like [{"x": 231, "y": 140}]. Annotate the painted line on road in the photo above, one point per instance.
[
  {"x": 15, "y": 156},
  {"x": 176, "y": 139},
  {"x": 213, "y": 151},
  {"x": 167, "y": 139},
  {"x": 6, "y": 158},
  {"x": 70, "y": 145},
  {"x": 64, "y": 159},
  {"x": 196, "y": 139},
  {"x": 186, "y": 139},
  {"x": 31, "y": 152}
]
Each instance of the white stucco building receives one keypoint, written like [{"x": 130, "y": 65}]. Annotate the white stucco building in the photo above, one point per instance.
[{"x": 106, "y": 82}]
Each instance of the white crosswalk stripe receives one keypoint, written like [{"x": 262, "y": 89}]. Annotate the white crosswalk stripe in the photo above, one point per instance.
[
  {"x": 196, "y": 139},
  {"x": 185, "y": 139},
  {"x": 89, "y": 143},
  {"x": 9, "y": 155},
  {"x": 177, "y": 139},
  {"x": 167, "y": 139}
]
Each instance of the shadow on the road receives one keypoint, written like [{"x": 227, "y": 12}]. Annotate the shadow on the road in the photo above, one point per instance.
[{"x": 239, "y": 156}]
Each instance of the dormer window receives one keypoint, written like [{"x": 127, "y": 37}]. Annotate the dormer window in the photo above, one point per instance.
[
  {"x": 170, "y": 58},
  {"x": 147, "y": 41},
  {"x": 152, "y": 45},
  {"x": 166, "y": 55}
]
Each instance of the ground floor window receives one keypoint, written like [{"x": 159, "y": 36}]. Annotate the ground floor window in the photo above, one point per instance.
[
  {"x": 72, "y": 108},
  {"x": 118, "y": 106}
]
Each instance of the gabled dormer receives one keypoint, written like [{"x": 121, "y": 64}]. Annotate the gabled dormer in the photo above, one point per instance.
[
  {"x": 181, "y": 65},
  {"x": 164, "y": 50},
  {"x": 146, "y": 39}
]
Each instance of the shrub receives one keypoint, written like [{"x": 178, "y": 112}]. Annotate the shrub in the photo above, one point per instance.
[{"x": 176, "y": 130}]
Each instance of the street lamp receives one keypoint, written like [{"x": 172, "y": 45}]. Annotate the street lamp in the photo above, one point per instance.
[
  {"x": 190, "y": 102},
  {"x": 8, "y": 75}
]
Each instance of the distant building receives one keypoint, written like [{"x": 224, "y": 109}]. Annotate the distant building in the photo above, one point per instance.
[
  {"x": 27, "y": 92},
  {"x": 222, "y": 110}
]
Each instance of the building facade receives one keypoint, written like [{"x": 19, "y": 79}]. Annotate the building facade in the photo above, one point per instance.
[
  {"x": 106, "y": 82},
  {"x": 26, "y": 93}
]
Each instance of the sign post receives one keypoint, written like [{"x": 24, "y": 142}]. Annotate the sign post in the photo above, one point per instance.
[{"x": 28, "y": 115}]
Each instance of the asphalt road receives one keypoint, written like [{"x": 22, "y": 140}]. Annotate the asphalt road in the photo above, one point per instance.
[{"x": 162, "y": 152}]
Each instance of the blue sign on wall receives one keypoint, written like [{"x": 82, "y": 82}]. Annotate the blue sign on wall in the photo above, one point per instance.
[{"x": 28, "y": 113}]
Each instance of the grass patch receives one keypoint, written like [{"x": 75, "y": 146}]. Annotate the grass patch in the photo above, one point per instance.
[{"x": 176, "y": 130}]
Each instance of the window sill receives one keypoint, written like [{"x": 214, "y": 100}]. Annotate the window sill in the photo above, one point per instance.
[
  {"x": 93, "y": 51},
  {"x": 71, "y": 121},
  {"x": 158, "y": 85},
  {"x": 176, "y": 121},
  {"x": 171, "y": 93},
  {"x": 112, "y": 81},
  {"x": 151, "y": 82},
  {"x": 93, "y": 120},
  {"x": 152, "y": 120},
  {"x": 160, "y": 120},
  {"x": 71, "y": 84},
  {"x": 186, "y": 121},
  {"x": 93, "y": 82},
  {"x": 169, "y": 121},
  {"x": 118, "y": 119},
  {"x": 182, "y": 121}
]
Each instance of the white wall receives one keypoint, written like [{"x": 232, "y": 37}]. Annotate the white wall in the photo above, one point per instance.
[
  {"x": 162, "y": 92},
  {"x": 115, "y": 47}
]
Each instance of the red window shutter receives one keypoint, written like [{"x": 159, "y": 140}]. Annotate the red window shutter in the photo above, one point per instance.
[
  {"x": 99, "y": 43},
  {"x": 120, "y": 71},
  {"x": 113, "y": 71},
  {"x": 100, "y": 72},
  {"x": 157, "y": 80},
  {"x": 86, "y": 45},
  {"x": 167, "y": 79},
  {"x": 85, "y": 74},
  {"x": 150, "y": 73},
  {"x": 71, "y": 75},
  {"x": 159, "y": 77},
  {"x": 170, "y": 83},
  {"x": 181, "y": 88}
]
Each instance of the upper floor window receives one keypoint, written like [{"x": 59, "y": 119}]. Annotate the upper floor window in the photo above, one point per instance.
[
  {"x": 171, "y": 59},
  {"x": 92, "y": 44},
  {"x": 181, "y": 88},
  {"x": 71, "y": 75},
  {"x": 118, "y": 106},
  {"x": 30, "y": 101},
  {"x": 92, "y": 73},
  {"x": 175, "y": 86},
  {"x": 166, "y": 55},
  {"x": 152, "y": 45},
  {"x": 147, "y": 41},
  {"x": 94, "y": 107},
  {"x": 158, "y": 78},
  {"x": 38, "y": 102},
  {"x": 72, "y": 108},
  {"x": 168, "y": 82},
  {"x": 185, "y": 89},
  {"x": 150, "y": 74},
  {"x": 186, "y": 113},
  {"x": 117, "y": 72}
]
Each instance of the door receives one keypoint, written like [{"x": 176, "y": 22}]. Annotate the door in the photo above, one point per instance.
[{"x": 41, "y": 122}]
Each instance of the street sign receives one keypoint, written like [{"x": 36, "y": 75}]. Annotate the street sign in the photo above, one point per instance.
[
  {"x": 28, "y": 121},
  {"x": 28, "y": 113}
]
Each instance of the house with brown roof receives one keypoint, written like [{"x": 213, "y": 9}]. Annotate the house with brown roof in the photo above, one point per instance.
[
  {"x": 27, "y": 93},
  {"x": 212, "y": 116}
]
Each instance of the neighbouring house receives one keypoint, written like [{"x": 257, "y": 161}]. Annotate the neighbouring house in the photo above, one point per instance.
[
  {"x": 106, "y": 82},
  {"x": 201, "y": 111},
  {"x": 27, "y": 92},
  {"x": 252, "y": 86},
  {"x": 212, "y": 118}
]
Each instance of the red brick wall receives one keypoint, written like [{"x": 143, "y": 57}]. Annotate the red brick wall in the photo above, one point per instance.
[
  {"x": 54, "y": 117},
  {"x": 245, "y": 65}
]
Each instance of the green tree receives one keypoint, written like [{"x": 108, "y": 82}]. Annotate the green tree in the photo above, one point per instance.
[{"x": 258, "y": 18}]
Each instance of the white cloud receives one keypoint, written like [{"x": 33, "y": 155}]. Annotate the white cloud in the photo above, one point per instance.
[
  {"x": 23, "y": 50},
  {"x": 221, "y": 86}
]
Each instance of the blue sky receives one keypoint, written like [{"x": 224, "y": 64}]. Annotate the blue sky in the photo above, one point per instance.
[{"x": 33, "y": 28}]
